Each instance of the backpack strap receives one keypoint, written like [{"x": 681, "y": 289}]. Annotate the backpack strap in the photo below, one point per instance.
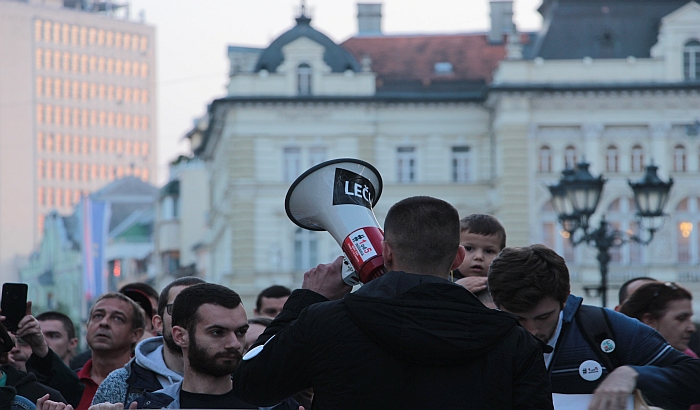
[{"x": 594, "y": 324}]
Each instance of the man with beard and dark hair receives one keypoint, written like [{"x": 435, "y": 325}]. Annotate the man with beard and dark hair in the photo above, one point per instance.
[
  {"x": 157, "y": 362},
  {"x": 209, "y": 325}
]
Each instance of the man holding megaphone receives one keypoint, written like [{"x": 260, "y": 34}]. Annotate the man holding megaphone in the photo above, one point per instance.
[{"x": 408, "y": 339}]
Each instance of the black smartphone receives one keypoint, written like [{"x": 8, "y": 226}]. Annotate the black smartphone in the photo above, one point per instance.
[{"x": 13, "y": 304}]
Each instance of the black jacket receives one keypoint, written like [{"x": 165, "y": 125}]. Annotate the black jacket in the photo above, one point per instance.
[
  {"x": 402, "y": 341},
  {"x": 53, "y": 372},
  {"x": 25, "y": 385}
]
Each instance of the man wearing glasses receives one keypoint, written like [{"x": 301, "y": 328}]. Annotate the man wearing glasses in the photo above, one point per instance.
[
  {"x": 608, "y": 355},
  {"x": 157, "y": 362}
]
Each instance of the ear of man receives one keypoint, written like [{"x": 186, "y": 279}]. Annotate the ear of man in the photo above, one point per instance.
[
  {"x": 136, "y": 335},
  {"x": 459, "y": 257},
  {"x": 388, "y": 255},
  {"x": 157, "y": 323},
  {"x": 180, "y": 336}
]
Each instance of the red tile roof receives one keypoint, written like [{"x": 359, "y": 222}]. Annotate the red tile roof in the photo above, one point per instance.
[{"x": 413, "y": 57}]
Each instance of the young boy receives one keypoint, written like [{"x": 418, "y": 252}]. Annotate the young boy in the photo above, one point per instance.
[{"x": 483, "y": 237}]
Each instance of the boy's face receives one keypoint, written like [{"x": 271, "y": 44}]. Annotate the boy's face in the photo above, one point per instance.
[{"x": 481, "y": 250}]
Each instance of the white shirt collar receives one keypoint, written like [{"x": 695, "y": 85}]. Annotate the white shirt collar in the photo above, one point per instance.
[{"x": 553, "y": 340}]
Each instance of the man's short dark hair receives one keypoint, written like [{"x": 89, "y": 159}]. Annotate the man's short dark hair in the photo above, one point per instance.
[
  {"x": 624, "y": 289},
  {"x": 190, "y": 299},
  {"x": 184, "y": 281},
  {"x": 274, "y": 291},
  {"x": 137, "y": 316},
  {"x": 483, "y": 224},
  {"x": 652, "y": 298},
  {"x": 423, "y": 233},
  {"x": 61, "y": 317},
  {"x": 520, "y": 278}
]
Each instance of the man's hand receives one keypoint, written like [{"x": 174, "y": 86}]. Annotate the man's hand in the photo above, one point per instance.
[
  {"x": 327, "y": 280},
  {"x": 473, "y": 283},
  {"x": 613, "y": 392},
  {"x": 30, "y": 331},
  {"x": 43, "y": 403}
]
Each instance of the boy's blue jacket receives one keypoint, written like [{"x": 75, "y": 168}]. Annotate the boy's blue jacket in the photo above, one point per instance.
[{"x": 667, "y": 377}]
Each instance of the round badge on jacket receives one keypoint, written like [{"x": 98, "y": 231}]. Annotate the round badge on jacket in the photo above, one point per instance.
[
  {"x": 590, "y": 370},
  {"x": 607, "y": 345}
]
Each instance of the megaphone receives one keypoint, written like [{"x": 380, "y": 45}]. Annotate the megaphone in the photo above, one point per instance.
[{"x": 338, "y": 196}]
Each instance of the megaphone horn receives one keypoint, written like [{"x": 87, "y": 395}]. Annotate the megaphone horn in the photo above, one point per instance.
[{"x": 338, "y": 196}]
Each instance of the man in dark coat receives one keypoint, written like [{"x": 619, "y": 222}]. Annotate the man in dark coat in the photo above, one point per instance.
[{"x": 410, "y": 339}]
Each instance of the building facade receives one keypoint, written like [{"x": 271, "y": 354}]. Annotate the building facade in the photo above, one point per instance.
[
  {"x": 78, "y": 111},
  {"x": 483, "y": 120}
]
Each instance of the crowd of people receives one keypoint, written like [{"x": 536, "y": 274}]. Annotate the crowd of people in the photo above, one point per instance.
[{"x": 460, "y": 321}]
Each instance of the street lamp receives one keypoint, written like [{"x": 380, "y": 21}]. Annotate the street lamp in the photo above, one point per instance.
[{"x": 575, "y": 198}]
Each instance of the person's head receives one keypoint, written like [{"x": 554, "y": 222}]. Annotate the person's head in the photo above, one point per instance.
[
  {"x": 20, "y": 354},
  {"x": 162, "y": 321},
  {"x": 421, "y": 236},
  {"x": 483, "y": 237},
  {"x": 532, "y": 283},
  {"x": 115, "y": 324},
  {"x": 257, "y": 325},
  {"x": 59, "y": 332},
  {"x": 271, "y": 301},
  {"x": 666, "y": 307},
  {"x": 209, "y": 324},
  {"x": 629, "y": 287},
  {"x": 147, "y": 298}
]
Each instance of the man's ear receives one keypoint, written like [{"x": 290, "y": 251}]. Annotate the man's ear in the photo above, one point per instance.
[
  {"x": 72, "y": 344},
  {"x": 136, "y": 335},
  {"x": 180, "y": 336},
  {"x": 648, "y": 320},
  {"x": 157, "y": 323},
  {"x": 459, "y": 257},
  {"x": 387, "y": 255}
]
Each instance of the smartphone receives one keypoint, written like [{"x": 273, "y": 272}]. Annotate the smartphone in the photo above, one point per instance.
[{"x": 13, "y": 304}]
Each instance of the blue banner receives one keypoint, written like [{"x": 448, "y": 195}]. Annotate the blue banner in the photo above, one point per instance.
[{"x": 95, "y": 225}]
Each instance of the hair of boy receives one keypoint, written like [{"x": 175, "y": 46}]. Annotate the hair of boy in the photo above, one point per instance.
[
  {"x": 183, "y": 281},
  {"x": 423, "y": 233},
  {"x": 652, "y": 298},
  {"x": 137, "y": 315},
  {"x": 187, "y": 303},
  {"x": 623, "y": 294},
  {"x": 61, "y": 317},
  {"x": 274, "y": 292},
  {"x": 520, "y": 278},
  {"x": 483, "y": 224}
]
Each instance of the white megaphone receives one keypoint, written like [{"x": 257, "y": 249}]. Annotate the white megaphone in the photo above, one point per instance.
[{"x": 337, "y": 196}]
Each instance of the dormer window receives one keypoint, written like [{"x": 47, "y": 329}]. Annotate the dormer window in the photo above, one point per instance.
[
  {"x": 443, "y": 68},
  {"x": 691, "y": 60},
  {"x": 304, "y": 79}
]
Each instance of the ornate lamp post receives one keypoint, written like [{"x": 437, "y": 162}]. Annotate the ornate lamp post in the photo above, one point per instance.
[{"x": 575, "y": 198}]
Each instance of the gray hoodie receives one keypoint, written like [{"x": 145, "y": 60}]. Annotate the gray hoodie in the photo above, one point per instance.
[{"x": 147, "y": 371}]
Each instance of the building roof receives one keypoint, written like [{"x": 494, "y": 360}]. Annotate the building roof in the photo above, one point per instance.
[
  {"x": 444, "y": 61},
  {"x": 337, "y": 58},
  {"x": 574, "y": 29}
]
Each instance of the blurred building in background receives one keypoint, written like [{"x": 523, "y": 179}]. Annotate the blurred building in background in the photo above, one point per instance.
[
  {"x": 482, "y": 120},
  {"x": 77, "y": 111}
]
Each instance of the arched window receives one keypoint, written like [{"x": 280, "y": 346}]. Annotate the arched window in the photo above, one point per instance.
[
  {"x": 554, "y": 236},
  {"x": 544, "y": 163},
  {"x": 687, "y": 226},
  {"x": 305, "y": 249},
  {"x": 691, "y": 60},
  {"x": 679, "y": 158},
  {"x": 611, "y": 159},
  {"x": 637, "y": 158},
  {"x": 570, "y": 157},
  {"x": 621, "y": 216},
  {"x": 304, "y": 79}
]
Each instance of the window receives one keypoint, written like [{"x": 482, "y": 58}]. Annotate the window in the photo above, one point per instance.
[
  {"x": 37, "y": 29},
  {"x": 118, "y": 40},
  {"x": 47, "y": 31},
  {"x": 570, "y": 157},
  {"x": 56, "y": 33},
  {"x": 40, "y": 196},
  {"x": 65, "y": 34},
  {"x": 100, "y": 37},
  {"x": 679, "y": 158},
  {"x": 48, "y": 56},
  {"x": 637, "y": 158},
  {"x": 40, "y": 86},
  {"x": 461, "y": 164},
  {"x": 691, "y": 60},
  {"x": 40, "y": 169},
  {"x": 316, "y": 155},
  {"x": 292, "y": 163},
  {"x": 611, "y": 159},
  {"x": 143, "y": 46},
  {"x": 304, "y": 79},
  {"x": 406, "y": 164},
  {"x": 554, "y": 237},
  {"x": 92, "y": 36},
  {"x": 74, "y": 35},
  {"x": 169, "y": 208},
  {"x": 687, "y": 227},
  {"x": 127, "y": 41},
  {"x": 144, "y": 70},
  {"x": 305, "y": 249},
  {"x": 39, "y": 57}
]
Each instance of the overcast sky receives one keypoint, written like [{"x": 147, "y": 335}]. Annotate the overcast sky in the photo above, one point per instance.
[{"x": 193, "y": 35}]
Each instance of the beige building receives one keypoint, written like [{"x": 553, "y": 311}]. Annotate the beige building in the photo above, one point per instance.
[
  {"x": 483, "y": 120},
  {"x": 77, "y": 110}
]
